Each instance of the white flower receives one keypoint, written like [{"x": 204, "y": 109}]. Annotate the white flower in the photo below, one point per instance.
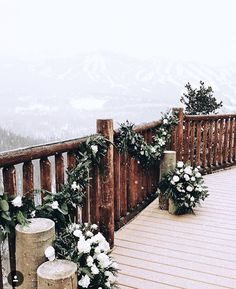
[
  {"x": 192, "y": 199},
  {"x": 89, "y": 234},
  {"x": 94, "y": 270},
  {"x": 187, "y": 178},
  {"x": 94, "y": 149},
  {"x": 180, "y": 164},
  {"x": 83, "y": 246},
  {"x": 111, "y": 277},
  {"x": 165, "y": 121},
  {"x": 104, "y": 260},
  {"x": 55, "y": 205},
  {"x": 175, "y": 179},
  {"x": 32, "y": 214},
  {"x": 97, "y": 250},
  {"x": 198, "y": 175},
  {"x": 108, "y": 284},
  {"x": 188, "y": 170},
  {"x": 189, "y": 188},
  {"x": 196, "y": 170},
  {"x": 74, "y": 186},
  {"x": 193, "y": 179},
  {"x": 50, "y": 253},
  {"x": 114, "y": 265},
  {"x": 77, "y": 233},
  {"x": 17, "y": 202},
  {"x": 89, "y": 261},
  {"x": 153, "y": 150},
  {"x": 84, "y": 281},
  {"x": 94, "y": 226}
]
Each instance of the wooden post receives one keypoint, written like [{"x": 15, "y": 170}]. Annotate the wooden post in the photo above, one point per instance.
[
  {"x": 105, "y": 127},
  {"x": 31, "y": 243},
  {"x": 168, "y": 163},
  {"x": 59, "y": 171},
  {"x": 28, "y": 179},
  {"x": 57, "y": 274},
  {"x": 45, "y": 174}
]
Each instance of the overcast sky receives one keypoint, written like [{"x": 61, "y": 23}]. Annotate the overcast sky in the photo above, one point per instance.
[{"x": 196, "y": 30}]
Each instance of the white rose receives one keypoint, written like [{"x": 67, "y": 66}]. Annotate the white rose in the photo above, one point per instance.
[
  {"x": 97, "y": 250},
  {"x": 198, "y": 175},
  {"x": 192, "y": 199},
  {"x": 32, "y": 214},
  {"x": 114, "y": 265},
  {"x": 17, "y": 202},
  {"x": 193, "y": 179},
  {"x": 189, "y": 188},
  {"x": 55, "y": 205},
  {"x": 94, "y": 149},
  {"x": 89, "y": 234},
  {"x": 89, "y": 261},
  {"x": 175, "y": 179},
  {"x": 50, "y": 253},
  {"x": 165, "y": 121},
  {"x": 108, "y": 284},
  {"x": 94, "y": 226},
  {"x": 180, "y": 164},
  {"x": 77, "y": 233},
  {"x": 111, "y": 277},
  {"x": 84, "y": 281},
  {"x": 74, "y": 186},
  {"x": 187, "y": 178},
  {"x": 104, "y": 260},
  {"x": 188, "y": 170},
  {"x": 94, "y": 270},
  {"x": 83, "y": 246}
]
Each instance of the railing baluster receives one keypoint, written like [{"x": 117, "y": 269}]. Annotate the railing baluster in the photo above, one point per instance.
[
  {"x": 215, "y": 156},
  {"x": 71, "y": 160},
  {"x": 235, "y": 139},
  {"x": 221, "y": 141},
  {"x": 9, "y": 183},
  {"x": 192, "y": 152},
  {"x": 95, "y": 196},
  {"x": 210, "y": 145},
  {"x": 226, "y": 132},
  {"x": 59, "y": 171},
  {"x": 132, "y": 185},
  {"x": 45, "y": 174},
  {"x": 123, "y": 185},
  {"x": 186, "y": 140},
  {"x": 117, "y": 191},
  {"x": 199, "y": 141},
  {"x": 28, "y": 178},
  {"x": 230, "y": 157},
  {"x": 205, "y": 131}
]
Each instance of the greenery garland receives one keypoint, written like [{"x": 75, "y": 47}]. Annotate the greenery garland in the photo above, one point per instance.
[{"x": 127, "y": 140}]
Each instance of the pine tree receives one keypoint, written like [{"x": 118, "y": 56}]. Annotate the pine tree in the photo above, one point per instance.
[{"x": 200, "y": 101}]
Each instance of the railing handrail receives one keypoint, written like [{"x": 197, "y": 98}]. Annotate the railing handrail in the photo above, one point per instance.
[
  {"x": 17, "y": 156},
  {"x": 209, "y": 117}
]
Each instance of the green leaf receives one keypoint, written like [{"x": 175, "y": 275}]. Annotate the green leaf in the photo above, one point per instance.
[
  {"x": 5, "y": 216},
  {"x": 4, "y": 205}
]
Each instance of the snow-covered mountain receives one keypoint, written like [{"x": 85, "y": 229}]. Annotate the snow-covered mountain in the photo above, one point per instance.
[{"x": 61, "y": 98}]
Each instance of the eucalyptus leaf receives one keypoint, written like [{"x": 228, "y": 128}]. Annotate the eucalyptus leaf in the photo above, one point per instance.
[{"x": 4, "y": 205}]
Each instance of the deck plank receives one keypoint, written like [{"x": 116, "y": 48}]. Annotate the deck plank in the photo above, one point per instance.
[{"x": 158, "y": 250}]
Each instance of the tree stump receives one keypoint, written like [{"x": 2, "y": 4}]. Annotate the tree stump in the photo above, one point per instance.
[
  {"x": 168, "y": 163},
  {"x": 31, "y": 242},
  {"x": 57, "y": 274}
]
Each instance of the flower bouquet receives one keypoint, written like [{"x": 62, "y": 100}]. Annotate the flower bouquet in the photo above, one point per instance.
[
  {"x": 184, "y": 186},
  {"x": 82, "y": 244}
]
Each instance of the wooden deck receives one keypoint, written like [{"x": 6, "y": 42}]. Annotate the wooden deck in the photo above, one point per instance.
[{"x": 160, "y": 251}]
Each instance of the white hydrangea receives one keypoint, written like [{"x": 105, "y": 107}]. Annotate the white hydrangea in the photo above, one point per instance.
[
  {"x": 84, "y": 281},
  {"x": 50, "y": 253},
  {"x": 17, "y": 202},
  {"x": 83, "y": 246},
  {"x": 193, "y": 179},
  {"x": 175, "y": 179}
]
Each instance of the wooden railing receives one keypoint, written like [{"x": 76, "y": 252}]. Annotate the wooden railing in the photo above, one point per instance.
[
  {"x": 206, "y": 140},
  {"x": 113, "y": 197}
]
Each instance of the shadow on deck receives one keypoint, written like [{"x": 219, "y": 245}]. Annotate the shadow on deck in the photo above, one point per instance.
[{"x": 160, "y": 251}]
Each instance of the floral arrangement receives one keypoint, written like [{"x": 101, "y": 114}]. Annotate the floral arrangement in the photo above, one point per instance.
[
  {"x": 127, "y": 140},
  {"x": 82, "y": 244},
  {"x": 185, "y": 187}
]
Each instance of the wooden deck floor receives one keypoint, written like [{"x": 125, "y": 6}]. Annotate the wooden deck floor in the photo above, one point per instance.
[{"x": 160, "y": 251}]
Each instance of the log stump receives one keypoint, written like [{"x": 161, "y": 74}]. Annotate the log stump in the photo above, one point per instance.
[
  {"x": 57, "y": 274},
  {"x": 31, "y": 242},
  {"x": 168, "y": 163}
]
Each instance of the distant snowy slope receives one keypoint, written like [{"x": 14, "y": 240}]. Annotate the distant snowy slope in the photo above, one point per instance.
[{"x": 61, "y": 98}]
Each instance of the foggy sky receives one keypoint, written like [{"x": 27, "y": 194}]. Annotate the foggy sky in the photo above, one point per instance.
[{"x": 190, "y": 30}]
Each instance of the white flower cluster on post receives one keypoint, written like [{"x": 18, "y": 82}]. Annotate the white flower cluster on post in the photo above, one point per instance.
[
  {"x": 82, "y": 244},
  {"x": 185, "y": 186}
]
